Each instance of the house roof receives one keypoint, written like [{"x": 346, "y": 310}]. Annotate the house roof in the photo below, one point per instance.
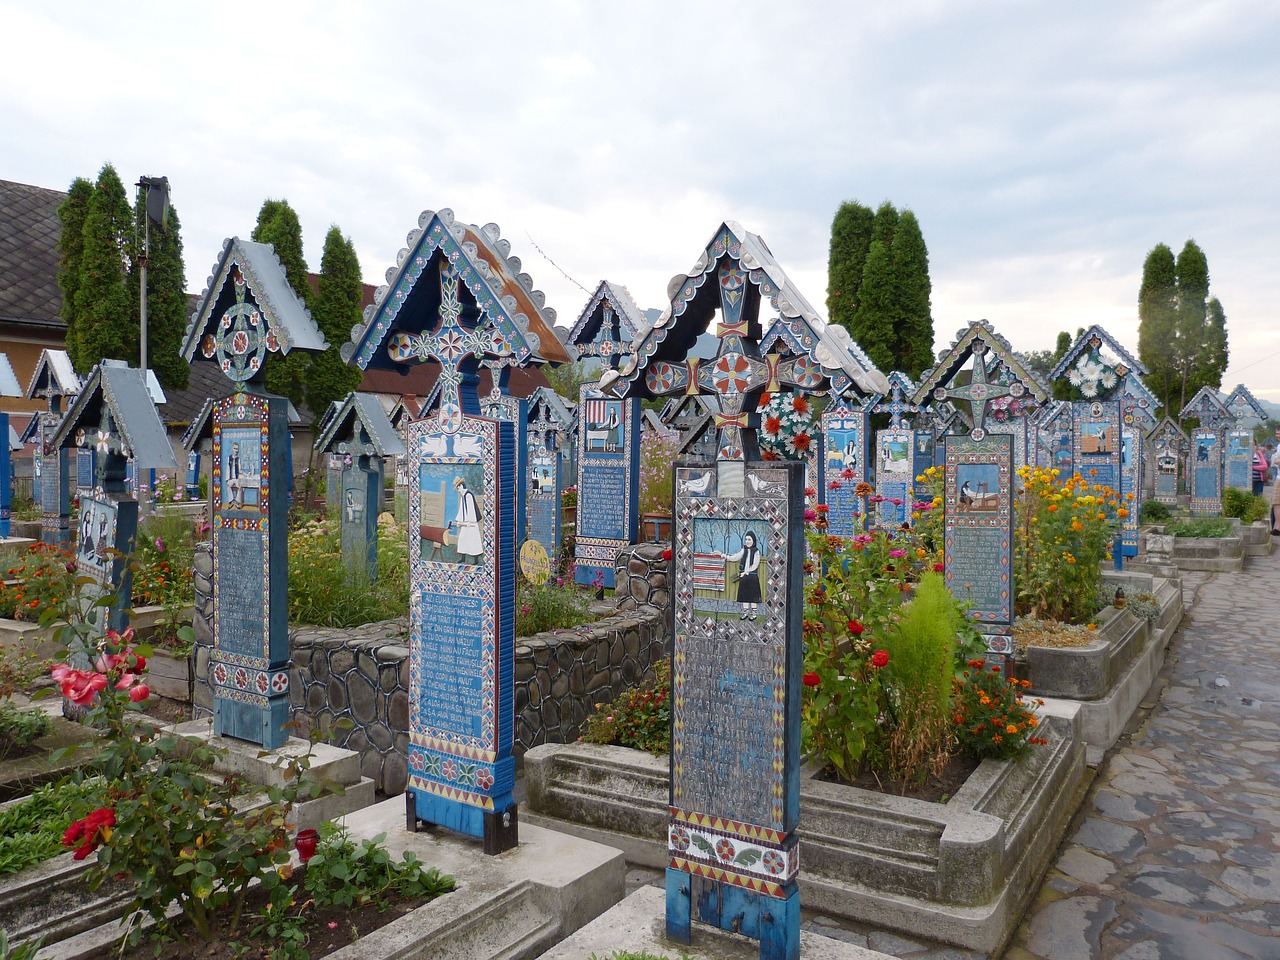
[{"x": 29, "y": 232}]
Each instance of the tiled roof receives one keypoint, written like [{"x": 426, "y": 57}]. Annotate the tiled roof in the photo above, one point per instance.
[{"x": 29, "y": 231}]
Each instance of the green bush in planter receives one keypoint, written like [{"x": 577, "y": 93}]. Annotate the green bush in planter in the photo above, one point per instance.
[{"x": 1153, "y": 511}]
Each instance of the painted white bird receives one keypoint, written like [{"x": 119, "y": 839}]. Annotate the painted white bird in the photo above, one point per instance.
[
  {"x": 696, "y": 486},
  {"x": 764, "y": 487}
]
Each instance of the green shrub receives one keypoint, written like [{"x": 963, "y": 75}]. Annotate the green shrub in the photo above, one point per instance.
[
  {"x": 1201, "y": 527},
  {"x": 921, "y": 646},
  {"x": 343, "y": 873},
  {"x": 20, "y": 728},
  {"x": 1244, "y": 505},
  {"x": 162, "y": 576},
  {"x": 31, "y": 830},
  {"x": 321, "y": 590},
  {"x": 1153, "y": 511},
  {"x": 553, "y": 605},
  {"x": 639, "y": 718}
]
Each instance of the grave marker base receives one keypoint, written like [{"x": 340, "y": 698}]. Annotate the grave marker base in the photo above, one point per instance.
[
  {"x": 500, "y": 830},
  {"x": 247, "y": 721},
  {"x": 774, "y": 921}
]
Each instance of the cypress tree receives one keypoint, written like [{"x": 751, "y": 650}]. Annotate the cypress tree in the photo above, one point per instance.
[
  {"x": 166, "y": 300},
  {"x": 1157, "y": 323},
  {"x": 1193, "y": 291},
  {"x": 278, "y": 225},
  {"x": 71, "y": 215},
  {"x": 850, "y": 240},
  {"x": 103, "y": 304},
  {"x": 913, "y": 347},
  {"x": 877, "y": 316},
  {"x": 1211, "y": 359},
  {"x": 336, "y": 308}
]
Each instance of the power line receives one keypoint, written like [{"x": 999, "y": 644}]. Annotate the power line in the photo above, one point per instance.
[
  {"x": 542, "y": 254},
  {"x": 1236, "y": 370}
]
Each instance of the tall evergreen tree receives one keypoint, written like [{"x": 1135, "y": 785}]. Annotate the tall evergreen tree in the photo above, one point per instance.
[
  {"x": 166, "y": 300},
  {"x": 850, "y": 240},
  {"x": 1158, "y": 323},
  {"x": 1193, "y": 292},
  {"x": 71, "y": 215},
  {"x": 335, "y": 308},
  {"x": 877, "y": 317},
  {"x": 278, "y": 225},
  {"x": 103, "y": 305},
  {"x": 1213, "y": 355},
  {"x": 913, "y": 348},
  {"x": 884, "y": 224}
]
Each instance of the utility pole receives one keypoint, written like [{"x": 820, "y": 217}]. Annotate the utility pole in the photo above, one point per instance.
[{"x": 156, "y": 204}]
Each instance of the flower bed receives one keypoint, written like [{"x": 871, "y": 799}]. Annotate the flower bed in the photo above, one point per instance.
[
  {"x": 1200, "y": 553},
  {"x": 1112, "y": 672},
  {"x": 959, "y": 871}
]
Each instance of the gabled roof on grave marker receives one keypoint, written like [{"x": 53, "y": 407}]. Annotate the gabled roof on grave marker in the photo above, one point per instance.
[
  {"x": 405, "y": 407},
  {"x": 365, "y": 409},
  {"x": 1051, "y": 411},
  {"x": 631, "y": 321},
  {"x": 651, "y": 421},
  {"x": 685, "y": 405},
  {"x": 1081, "y": 346},
  {"x": 1141, "y": 399},
  {"x": 962, "y": 349},
  {"x": 123, "y": 391},
  {"x": 676, "y": 329},
  {"x": 54, "y": 375},
  {"x": 560, "y": 410},
  {"x": 1242, "y": 404},
  {"x": 15, "y": 442},
  {"x": 201, "y": 426},
  {"x": 895, "y": 379},
  {"x": 1171, "y": 427},
  {"x": 9, "y": 386},
  {"x": 1207, "y": 407},
  {"x": 841, "y": 358},
  {"x": 285, "y": 314},
  {"x": 518, "y": 313},
  {"x": 31, "y": 430}
]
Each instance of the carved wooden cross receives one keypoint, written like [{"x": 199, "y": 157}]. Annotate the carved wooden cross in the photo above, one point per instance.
[
  {"x": 979, "y": 391},
  {"x": 243, "y": 341},
  {"x": 453, "y": 344},
  {"x": 896, "y": 404},
  {"x": 736, "y": 376}
]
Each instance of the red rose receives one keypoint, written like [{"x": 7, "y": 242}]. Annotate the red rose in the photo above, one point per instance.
[
  {"x": 810, "y": 679},
  {"x": 666, "y": 554},
  {"x": 879, "y": 658},
  {"x": 856, "y": 628}
]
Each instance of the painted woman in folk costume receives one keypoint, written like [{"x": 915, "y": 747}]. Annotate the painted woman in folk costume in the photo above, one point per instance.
[
  {"x": 748, "y": 574},
  {"x": 470, "y": 544}
]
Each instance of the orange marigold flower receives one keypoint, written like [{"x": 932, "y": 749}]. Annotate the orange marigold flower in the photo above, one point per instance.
[
  {"x": 1011, "y": 729},
  {"x": 799, "y": 404}
]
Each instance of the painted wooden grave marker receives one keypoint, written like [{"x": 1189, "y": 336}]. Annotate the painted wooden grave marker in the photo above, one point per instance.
[
  {"x": 114, "y": 414},
  {"x": 608, "y": 482},
  {"x": 248, "y": 311},
  {"x": 1205, "y": 471},
  {"x": 56, "y": 382},
  {"x": 1169, "y": 446},
  {"x": 455, "y": 298},
  {"x": 360, "y": 435},
  {"x": 738, "y": 551}
]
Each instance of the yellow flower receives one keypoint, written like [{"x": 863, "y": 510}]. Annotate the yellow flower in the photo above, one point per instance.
[{"x": 1011, "y": 729}]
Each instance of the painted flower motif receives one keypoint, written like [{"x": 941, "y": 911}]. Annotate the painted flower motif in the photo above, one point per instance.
[
  {"x": 449, "y": 770},
  {"x": 484, "y": 778},
  {"x": 773, "y": 862},
  {"x": 725, "y": 849},
  {"x": 679, "y": 839}
]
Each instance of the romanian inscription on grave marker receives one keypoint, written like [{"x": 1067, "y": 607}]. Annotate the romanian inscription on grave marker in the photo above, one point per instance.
[
  {"x": 1206, "y": 472},
  {"x": 737, "y": 620},
  {"x": 844, "y": 440},
  {"x": 978, "y": 530},
  {"x": 608, "y": 482}
]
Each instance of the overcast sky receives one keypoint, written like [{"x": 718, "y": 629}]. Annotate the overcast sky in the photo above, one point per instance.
[{"x": 1044, "y": 147}]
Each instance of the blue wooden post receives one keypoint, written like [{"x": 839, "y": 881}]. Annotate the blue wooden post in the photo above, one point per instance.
[{"x": 6, "y": 479}]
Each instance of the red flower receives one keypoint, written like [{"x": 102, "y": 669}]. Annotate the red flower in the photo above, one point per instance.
[
  {"x": 937, "y": 568},
  {"x": 666, "y": 554},
  {"x": 89, "y": 832},
  {"x": 799, "y": 404},
  {"x": 880, "y": 658},
  {"x": 801, "y": 442},
  {"x": 139, "y": 693},
  {"x": 79, "y": 686},
  {"x": 772, "y": 425},
  {"x": 810, "y": 679},
  {"x": 856, "y": 628}
]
